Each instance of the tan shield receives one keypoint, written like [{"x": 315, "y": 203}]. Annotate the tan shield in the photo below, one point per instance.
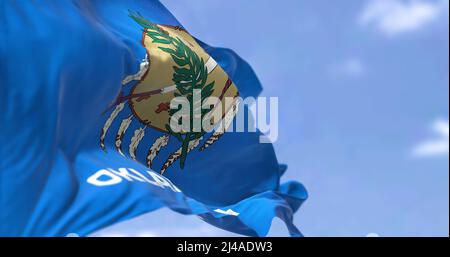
[{"x": 150, "y": 98}]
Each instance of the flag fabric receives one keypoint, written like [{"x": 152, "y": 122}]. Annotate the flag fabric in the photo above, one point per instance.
[{"x": 85, "y": 88}]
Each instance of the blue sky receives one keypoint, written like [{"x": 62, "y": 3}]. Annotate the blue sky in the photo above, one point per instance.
[{"x": 363, "y": 91}]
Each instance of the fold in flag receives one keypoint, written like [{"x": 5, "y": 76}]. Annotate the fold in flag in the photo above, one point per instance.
[{"x": 85, "y": 93}]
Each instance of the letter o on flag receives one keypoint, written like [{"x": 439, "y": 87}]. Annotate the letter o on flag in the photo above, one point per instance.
[{"x": 108, "y": 179}]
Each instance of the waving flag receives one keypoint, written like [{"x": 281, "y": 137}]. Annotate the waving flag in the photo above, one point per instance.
[{"x": 85, "y": 94}]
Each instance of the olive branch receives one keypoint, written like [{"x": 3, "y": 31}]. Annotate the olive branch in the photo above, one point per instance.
[{"x": 189, "y": 74}]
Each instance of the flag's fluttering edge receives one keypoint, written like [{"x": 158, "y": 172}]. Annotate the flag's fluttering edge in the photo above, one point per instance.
[{"x": 85, "y": 93}]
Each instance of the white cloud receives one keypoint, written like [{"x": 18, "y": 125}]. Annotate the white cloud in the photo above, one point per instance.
[
  {"x": 438, "y": 146},
  {"x": 351, "y": 67},
  {"x": 393, "y": 17}
]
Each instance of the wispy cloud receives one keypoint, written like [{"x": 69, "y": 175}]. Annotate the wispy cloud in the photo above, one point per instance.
[
  {"x": 350, "y": 67},
  {"x": 393, "y": 17},
  {"x": 437, "y": 146}
]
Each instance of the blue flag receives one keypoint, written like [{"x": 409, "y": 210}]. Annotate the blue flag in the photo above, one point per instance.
[{"x": 86, "y": 89}]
